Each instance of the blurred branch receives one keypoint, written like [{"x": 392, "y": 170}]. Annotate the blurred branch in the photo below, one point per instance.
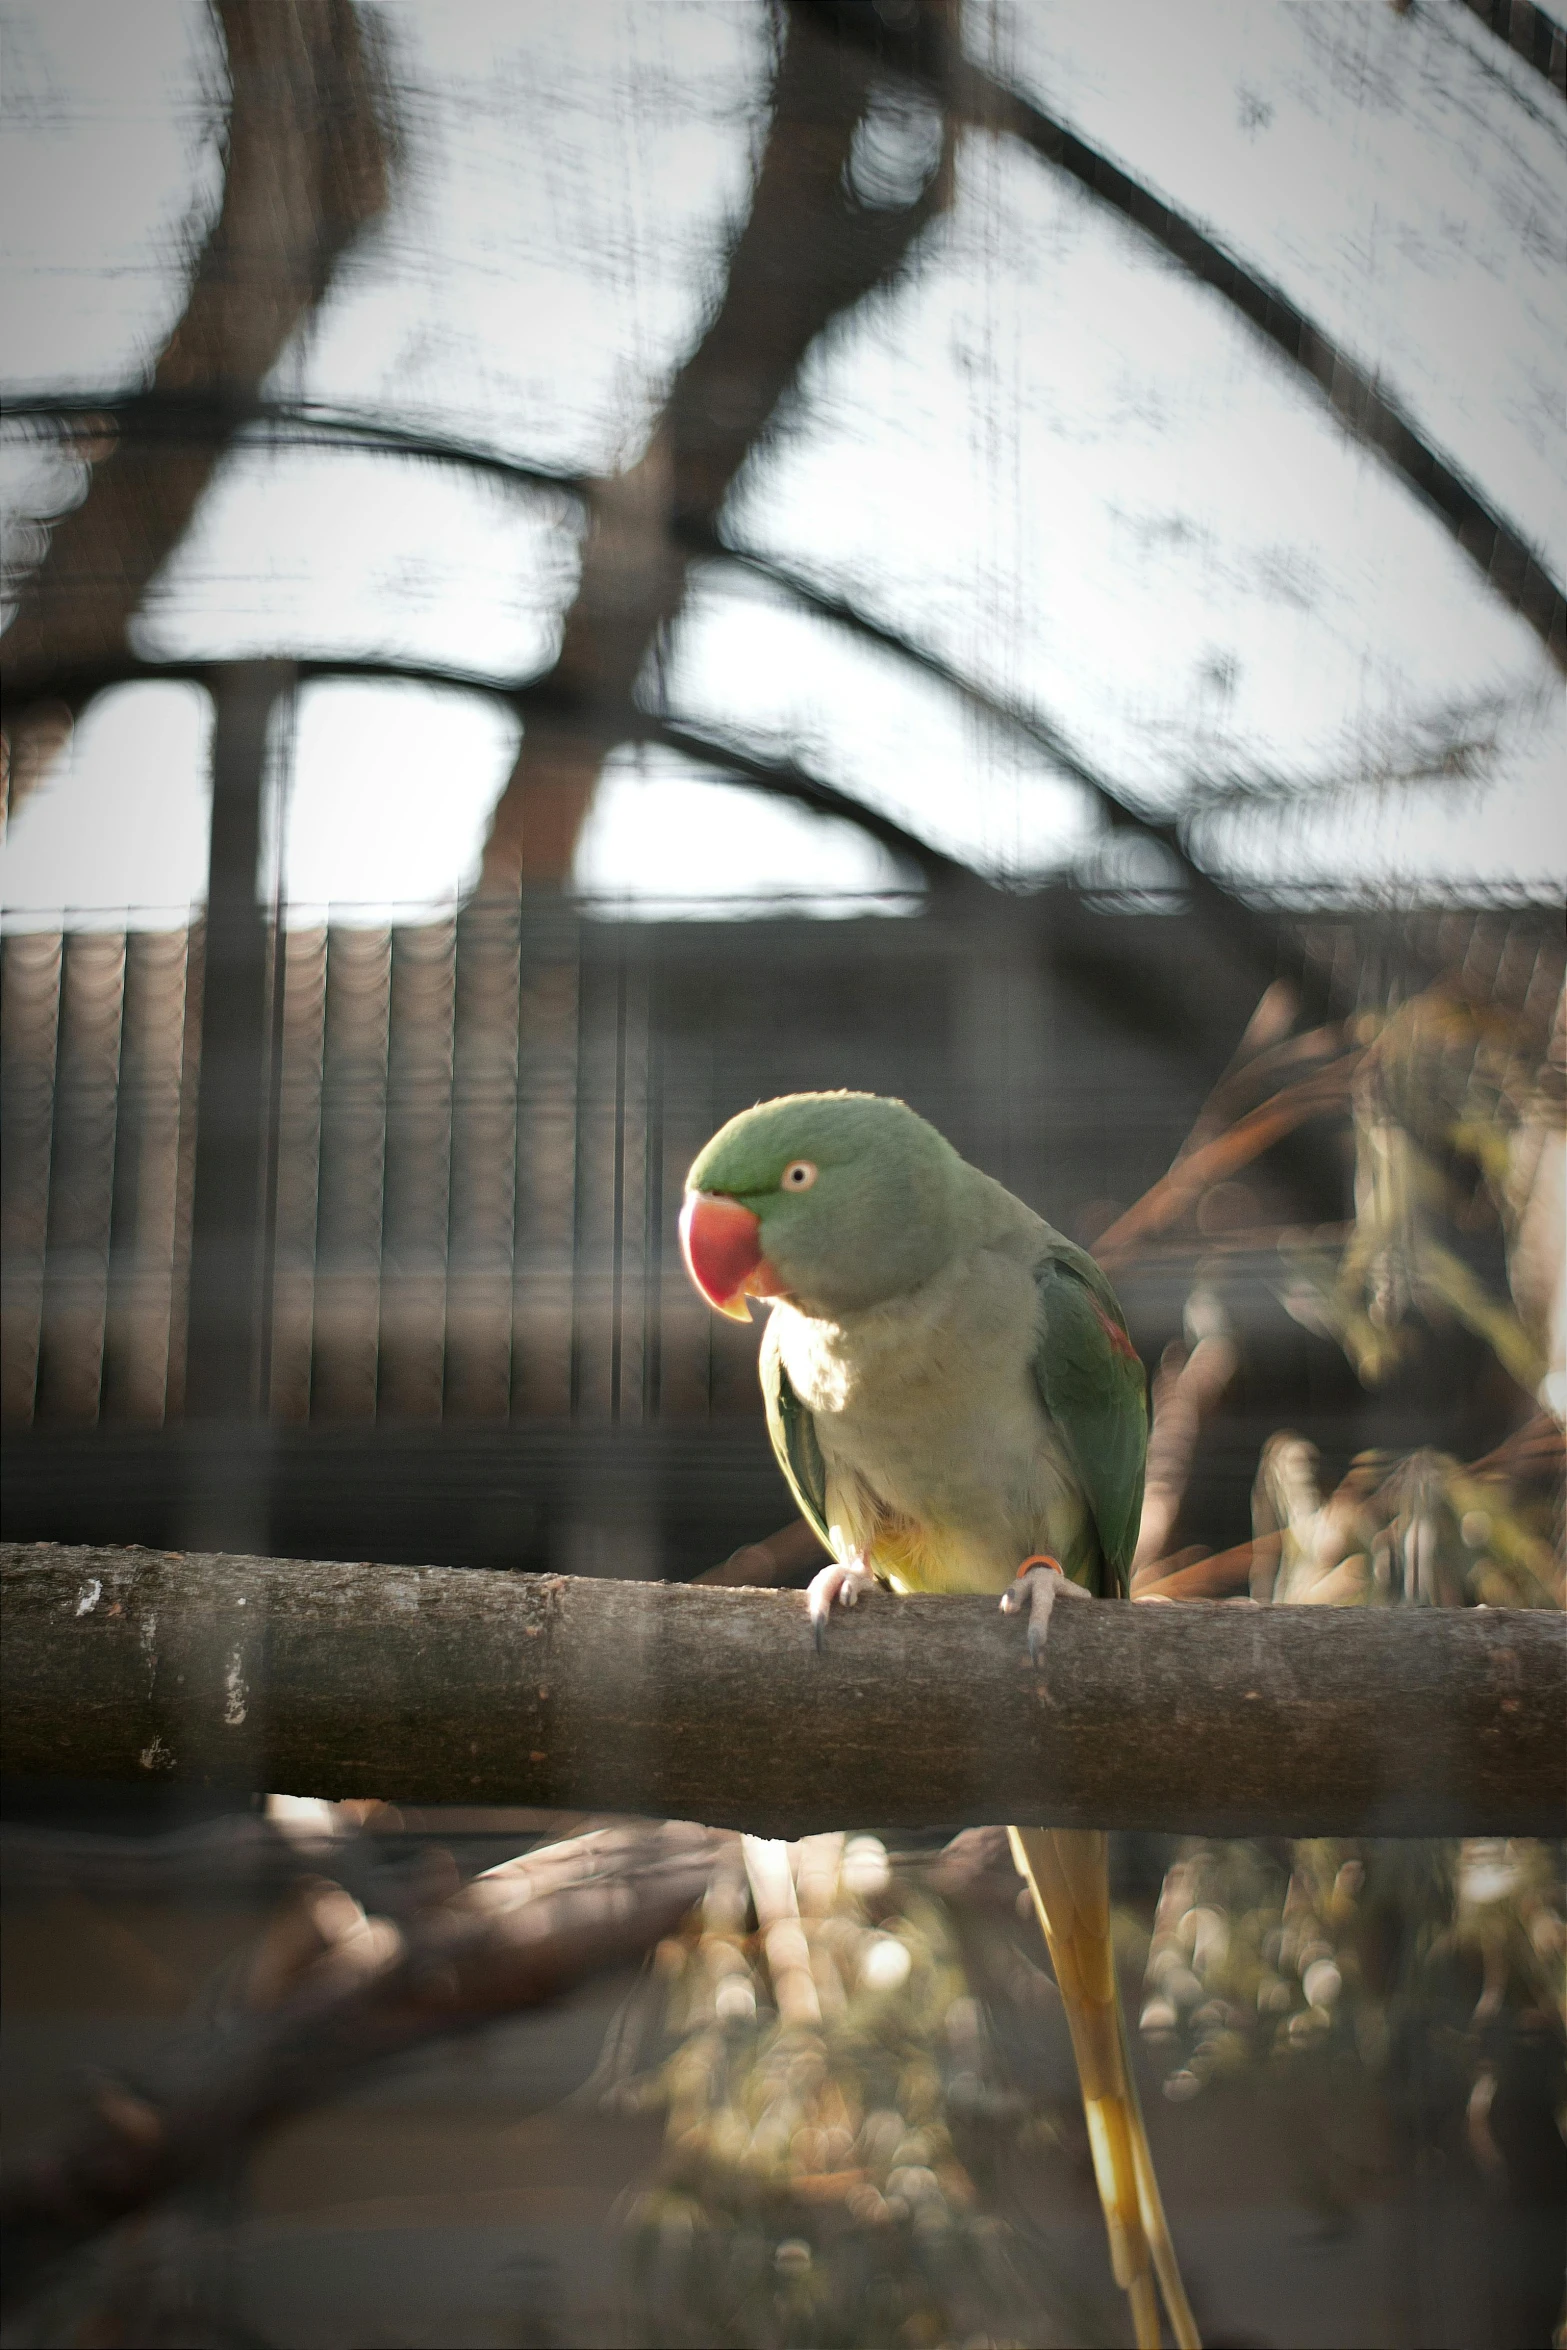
[
  {"x": 810, "y": 250},
  {"x": 778, "y": 1558},
  {"x": 1423, "y": 1530},
  {"x": 1503, "y": 557},
  {"x": 307, "y": 155},
  {"x": 1536, "y": 1453},
  {"x": 788, "y": 779},
  {"x": 1266, "y": 1051},
  {"x": 331, "y": 1991},
  {"x": 1457, "y": 743},
  {"x": 444, "y": 1685},
  {"x": 254, "y": 1854},
  {"x": 1227, "y": 1574},
  {"x": 1216, "y": 1161},
  {"x": 1186, "y": 1390}
]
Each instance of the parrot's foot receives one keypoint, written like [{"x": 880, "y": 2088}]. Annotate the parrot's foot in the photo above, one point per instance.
[
  {"x": 1040, "y": 1583},
  {"x": 835, "y": 1585}
]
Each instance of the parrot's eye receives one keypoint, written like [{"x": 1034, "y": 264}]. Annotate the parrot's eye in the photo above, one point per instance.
[{"x": 799, "y": 1175}]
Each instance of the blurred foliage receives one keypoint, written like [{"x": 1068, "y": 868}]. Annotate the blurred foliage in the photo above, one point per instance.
[
  {"x": 812, "y": 2189},
  {"x": 1328, "y": 1965},
  {"x": 1335, "y": 1952},
  {"x": 1457, "y": 1113},
  {"x": 1425, "y": 1530}
]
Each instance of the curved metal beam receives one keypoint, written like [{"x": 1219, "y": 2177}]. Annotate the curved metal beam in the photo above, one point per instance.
[
  {"x": 168, "y": 415},
  {"x": 604, "y": 725},
  {"x": 1532, "y": 35},
  {"x": 1370, "y": 414}
]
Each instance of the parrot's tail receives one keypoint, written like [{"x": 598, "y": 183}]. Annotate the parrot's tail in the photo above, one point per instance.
[{"x": 1069, "y": 1879}]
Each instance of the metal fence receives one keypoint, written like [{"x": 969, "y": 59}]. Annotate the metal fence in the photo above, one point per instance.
[
  {"x": 475, "y": 1341},
  {"x": 479, "y": 1129},
  {"x": 480, "y": 1126}
]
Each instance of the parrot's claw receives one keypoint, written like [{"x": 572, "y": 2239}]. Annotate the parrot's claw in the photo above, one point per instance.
[
  {"x": 1040, "y": 1583},
  {"x": 838, "y": 1585}
]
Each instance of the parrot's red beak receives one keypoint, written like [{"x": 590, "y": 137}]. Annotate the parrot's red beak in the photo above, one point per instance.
[{"x": 721, "y": 1243}]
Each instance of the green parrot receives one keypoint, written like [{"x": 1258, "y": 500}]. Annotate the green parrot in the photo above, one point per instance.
[{"x": 955, "y": 1401}]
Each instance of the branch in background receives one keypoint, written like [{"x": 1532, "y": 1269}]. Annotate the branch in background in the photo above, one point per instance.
[
  {"x": 326, "y": 1992},
  {"x": 331, "y": 1991},
  {"x": 1214, "y": 1162},
  {"x": 1225, "y": 1574},
  {"x": 1535, "y": 1455},
  {"x": 369, "y": 1849},
  {"x": 541, "y": 703},
  {"x": 1186, "y": 1392},
  {"x": 1266, "y": 1034},
  {"x": 810, "y": 250},
  {"x": 776, "y": 1559},
  {"x": 164, "y": 414},
  {"x": 307, "y": 158},
  {"x": 1425, "y": 1530}
]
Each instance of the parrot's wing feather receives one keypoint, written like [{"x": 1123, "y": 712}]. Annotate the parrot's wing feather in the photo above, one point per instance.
[
  {"x": 793, "y": 1432},
  {"x": 1091, "y": 1383}
]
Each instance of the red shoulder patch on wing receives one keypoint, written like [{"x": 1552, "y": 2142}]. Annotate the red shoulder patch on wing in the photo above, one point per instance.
[{"x": 1116, "y": 1335}]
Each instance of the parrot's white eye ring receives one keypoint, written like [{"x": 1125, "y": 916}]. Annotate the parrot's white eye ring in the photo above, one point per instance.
[{"x": 799, "y": 1175}]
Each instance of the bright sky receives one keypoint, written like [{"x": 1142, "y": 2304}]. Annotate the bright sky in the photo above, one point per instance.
[{"x": 1046, "y": 455}]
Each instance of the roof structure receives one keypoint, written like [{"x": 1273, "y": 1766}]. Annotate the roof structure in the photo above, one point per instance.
[{"x": 1031, "y": 441}]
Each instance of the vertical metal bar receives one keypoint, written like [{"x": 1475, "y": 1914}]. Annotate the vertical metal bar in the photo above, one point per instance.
[
  {"x": 283, "y": 738},
  {"x": 296, "y": 1215},
  {"x": 81, "y": 1178},
  {"x": 578, "y": 1176},
  {"x": 350, "y": 1197},
  {"x": 544, "y": 1279},
  {"x": 226, "y": 1345},
  {"x": 29, "y": 1046},
  {"x": 653, "y": 1160},
  {"x": 486, "y": 1073},
  {"x": 416, "y": 1216},
  {"x": 618, "y": 1201},
  {"x": 143, "y": 1235}
]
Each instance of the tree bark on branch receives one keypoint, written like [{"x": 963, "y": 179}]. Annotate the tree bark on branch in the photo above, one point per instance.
[
  {"x": 306, "y": 167},
  {"x": 673, "y": 1701}
]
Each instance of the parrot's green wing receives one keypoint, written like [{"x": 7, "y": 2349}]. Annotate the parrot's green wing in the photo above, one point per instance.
[
  {"x": 1091, "y": 1382},
  {"x": 793, "y": 1432}
]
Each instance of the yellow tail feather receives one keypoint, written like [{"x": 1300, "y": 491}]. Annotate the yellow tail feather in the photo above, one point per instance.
[{"x": 1067, "y": 1874}]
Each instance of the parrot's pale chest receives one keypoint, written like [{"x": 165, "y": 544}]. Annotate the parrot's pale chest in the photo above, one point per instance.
[{"x": 943, "y": 1468}]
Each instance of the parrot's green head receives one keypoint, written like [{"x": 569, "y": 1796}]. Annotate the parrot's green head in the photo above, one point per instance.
[{"x": 834, "y": 1200}]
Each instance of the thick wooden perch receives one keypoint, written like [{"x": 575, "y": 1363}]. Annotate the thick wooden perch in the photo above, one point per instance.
[{"x": 436, "y": 1684}]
